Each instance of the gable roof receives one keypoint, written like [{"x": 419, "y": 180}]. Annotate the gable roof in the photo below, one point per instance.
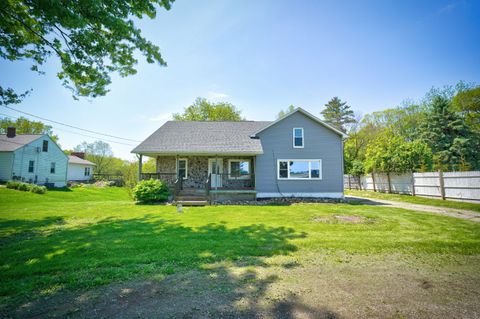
[
  {"x": 178, "y": 137},
  {"x": 10, "y": 144},
  {"x": 77, "y": 160},
  {"x": 310, "y": 115}
]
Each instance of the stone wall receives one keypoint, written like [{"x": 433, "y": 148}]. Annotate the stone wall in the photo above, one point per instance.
[{"x": 198, "y": 170}]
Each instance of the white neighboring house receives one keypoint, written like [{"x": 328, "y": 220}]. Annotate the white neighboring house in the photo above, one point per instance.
[
  {"x": 32, "y": 158},
  {"x": 79, "y": 169}
]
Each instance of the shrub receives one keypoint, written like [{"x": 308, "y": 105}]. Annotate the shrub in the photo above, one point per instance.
[
  {"x": 38, "y": 189},
  {"x": 149, "y": 191},
  {"x": 13, "y": 184},
  {"x": 25, "y": 187}
]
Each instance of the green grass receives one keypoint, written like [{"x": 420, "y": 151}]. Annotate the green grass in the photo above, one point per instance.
[
  {"x": 91, "y": 236},
  {"x": 416, "y": 200}
]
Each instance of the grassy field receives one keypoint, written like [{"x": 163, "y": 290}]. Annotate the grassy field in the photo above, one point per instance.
[
  {"x": 91, "y": 252},
  {"x": 416, "y": 200}
]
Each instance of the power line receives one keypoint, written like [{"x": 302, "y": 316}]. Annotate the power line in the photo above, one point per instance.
[
  {"x": 56, "y": 128},
  {"x": 75, "y": 127}
]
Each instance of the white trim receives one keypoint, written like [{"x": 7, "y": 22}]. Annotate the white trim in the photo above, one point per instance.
[
  {"x": 337, "y": 195},
  {"x": 186, "y": 166},
  {"x": 293, "y": 137},
  {"x": 313, "y": 117},
  {"x": 310, "y": 178},
  {"x": 216, "y": 179},
  {"x": 247, "y": 176}
]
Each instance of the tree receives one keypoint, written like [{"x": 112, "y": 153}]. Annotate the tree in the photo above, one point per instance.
[
  {"x": 338, "y": 114},
  {"x": 91, "y": 39},
  {"x": 451, "y": 140},
  {"x": 467, "y": 103},
  {"x": 99, "y": 153},
  {"x": 25, "y": 126},
  {"x": 390, "y": 153},
  {"x": 204, "y": 110},
  {"x": 282, "y": 113}
]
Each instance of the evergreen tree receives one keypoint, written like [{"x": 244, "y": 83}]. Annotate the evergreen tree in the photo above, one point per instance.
[
  {"x": 449, "y": 137},
  {"x": 338, "y": 114}
]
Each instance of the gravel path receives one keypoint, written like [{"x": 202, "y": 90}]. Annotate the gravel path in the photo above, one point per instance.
[{"x": 458, "y": 213}]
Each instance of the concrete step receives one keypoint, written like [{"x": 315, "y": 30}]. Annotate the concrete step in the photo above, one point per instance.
[
  {"x": 192, "y": 202},
  {"x": 190, "y": 197}
]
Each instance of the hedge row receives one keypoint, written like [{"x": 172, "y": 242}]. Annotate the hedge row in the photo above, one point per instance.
[{"x": 27, "y": 187}]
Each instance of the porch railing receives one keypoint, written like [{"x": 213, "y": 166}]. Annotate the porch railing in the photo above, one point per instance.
[{"x": 225, "y": 181}]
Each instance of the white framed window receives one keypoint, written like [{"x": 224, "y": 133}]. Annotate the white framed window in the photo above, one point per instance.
[
  {"x": 87, "y": 171},
  {"x": 182, "y": 168},
  {"x": 299, "y": 169},
  {"x": 31, "y": 166},
  {"x": 298, "y": 137},
  {"x": 52, "y": 168},
  {"x": 239, "y": 169}
]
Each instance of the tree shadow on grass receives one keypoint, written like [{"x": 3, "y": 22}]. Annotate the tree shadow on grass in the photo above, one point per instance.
[{"x": 161, "y": 267}]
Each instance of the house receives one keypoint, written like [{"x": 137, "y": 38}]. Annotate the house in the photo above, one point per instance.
[
  {"x": 32, "y": 158},
  {"x": 79, "y": 169},
  {"x": 297, "y": 155}
]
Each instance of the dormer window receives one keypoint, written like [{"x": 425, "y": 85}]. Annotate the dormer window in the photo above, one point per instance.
[{"x": 298, "y": 137}]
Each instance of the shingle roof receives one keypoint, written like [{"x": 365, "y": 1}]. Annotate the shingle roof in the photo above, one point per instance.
[
  {"x": 177, "y": 137},
  {"x": 77, "y": 160},
  {"x": 10, "y": 144}
]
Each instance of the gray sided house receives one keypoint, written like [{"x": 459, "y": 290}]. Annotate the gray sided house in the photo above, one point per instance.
[
  {"x": 295, "y": 156},
  {"x": 32, "y": 158}
]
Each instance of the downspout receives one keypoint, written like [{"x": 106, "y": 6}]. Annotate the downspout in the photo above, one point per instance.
[{"x": 343, "y": 171}]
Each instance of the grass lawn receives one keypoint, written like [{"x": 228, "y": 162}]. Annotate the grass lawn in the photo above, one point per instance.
[
  {"x": 416, "y": 200},
  {"x": 91, "y": 252}
]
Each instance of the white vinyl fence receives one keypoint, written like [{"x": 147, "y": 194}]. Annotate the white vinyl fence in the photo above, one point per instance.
[{"x": 445, "y": 185}]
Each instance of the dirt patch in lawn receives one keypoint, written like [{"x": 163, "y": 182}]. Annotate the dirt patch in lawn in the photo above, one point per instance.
[
  {"x": 347, "y": 219},
  {"x": 388, "y": 287}
]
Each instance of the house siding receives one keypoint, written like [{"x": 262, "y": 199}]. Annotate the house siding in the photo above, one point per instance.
[
  {"x": 42, "y": 160},
  {"x": 76, "y": 172},
  {"x": 6, "y": 163},
  {"x": 319, "y": 143}
]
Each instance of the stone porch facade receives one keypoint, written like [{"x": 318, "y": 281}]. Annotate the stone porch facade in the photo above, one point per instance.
[{"x": 197, "y": 168}]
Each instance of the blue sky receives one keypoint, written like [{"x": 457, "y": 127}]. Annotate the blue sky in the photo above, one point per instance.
[{"x": 265, "y": 55}]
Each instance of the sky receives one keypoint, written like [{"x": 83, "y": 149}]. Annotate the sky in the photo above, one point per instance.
[{"x": 263, "y": 56}]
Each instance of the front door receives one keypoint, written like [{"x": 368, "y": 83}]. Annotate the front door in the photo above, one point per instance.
[{"x": 215, "y": 168}]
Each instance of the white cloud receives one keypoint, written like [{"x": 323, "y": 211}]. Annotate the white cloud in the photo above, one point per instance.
[
  {"x": 162, "y": 117},
  {"x": 217, "y": 96}
]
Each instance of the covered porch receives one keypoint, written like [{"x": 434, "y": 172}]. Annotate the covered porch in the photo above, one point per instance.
[{"x": 218, "y": 176}]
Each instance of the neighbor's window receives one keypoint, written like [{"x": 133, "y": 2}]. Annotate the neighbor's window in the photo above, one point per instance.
[
  {"x": 300, "y": 169},
  {"x": 45, "y": 146},
  {"x": 87, "y": 171},
  {"x": 298, "y": 137},
  {"x": 239, "y": 169},
  {"x": 52, "y": 168},
  {"x": 31, "y": 166},
  {"x": 182, "y": 168}
]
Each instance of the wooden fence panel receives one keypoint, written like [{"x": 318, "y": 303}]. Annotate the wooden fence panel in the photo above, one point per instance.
[{"x": 456, "y": 185}]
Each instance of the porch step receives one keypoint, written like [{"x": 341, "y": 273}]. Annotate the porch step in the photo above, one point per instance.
[
  {"x": 190, "y": 198},
  {"x": 192, "y": 202}
]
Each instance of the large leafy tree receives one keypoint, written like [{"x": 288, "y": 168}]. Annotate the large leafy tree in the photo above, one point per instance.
[
  {"x": 204, "y": 110},
  {"x": 100, "y": 153},
  {"x": 390, "y": 153},
  {"x": 338, "y": 114},
  {"x": 467, "y": 103},
  {"x": 447, "y": 134},
  {"x": 91, "y": 38},
  {"x": 25, "y": 126}
]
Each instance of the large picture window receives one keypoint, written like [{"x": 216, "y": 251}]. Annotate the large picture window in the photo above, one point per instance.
[
  {"x": 182, "y": 168},
  {"x": 299, "y": 169},
  {"x": 239, "y": 169},
  {"x": 298, "y": 137}
]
